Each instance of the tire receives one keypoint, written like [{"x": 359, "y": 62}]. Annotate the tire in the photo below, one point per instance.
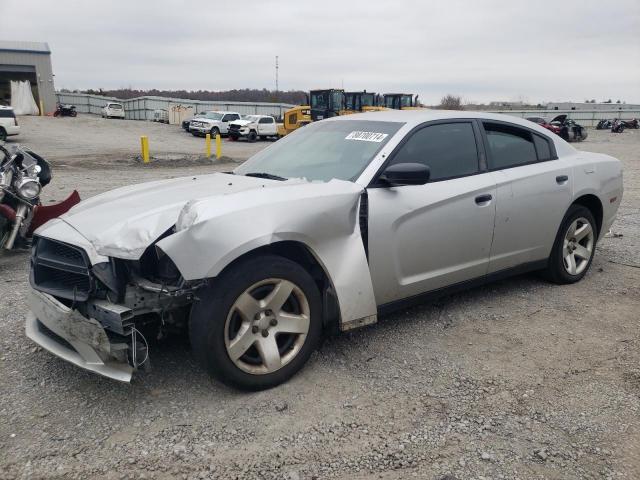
[
  {"x": 263, "y": 137},
  {"x": 56, "y": 113},
  {"x": 215, "y": 131},
  {"x": 252, "y": 136},
  {"x": 583, "y": 134},
  {"x": 74, "y": 113},
  {"x": 559, "y": 270},
  {"x": 217, "y": 315},
  {"x": 3, "y": 135}
]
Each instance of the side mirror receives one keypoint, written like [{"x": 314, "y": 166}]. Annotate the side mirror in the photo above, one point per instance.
[{"x": 406, "y": 174}]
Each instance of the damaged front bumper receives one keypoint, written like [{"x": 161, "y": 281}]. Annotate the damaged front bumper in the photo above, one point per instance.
[{"x": 77, "y": 339}]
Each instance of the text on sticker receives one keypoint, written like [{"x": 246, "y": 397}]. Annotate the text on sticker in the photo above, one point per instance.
[{"x": 367, "y": 136}]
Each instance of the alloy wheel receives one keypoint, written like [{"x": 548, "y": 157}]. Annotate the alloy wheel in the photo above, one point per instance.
[
  {"x": 267, "y": 326},
  {"x": 578, "y": 246}
]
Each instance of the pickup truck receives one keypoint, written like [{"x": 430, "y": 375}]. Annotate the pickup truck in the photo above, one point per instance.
[
  {"x": 253, "y": 127},
  {"x": 213, "y": 122}
]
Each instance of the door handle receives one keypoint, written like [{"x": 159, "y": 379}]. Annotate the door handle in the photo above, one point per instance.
[
  {"x": 562, "y": 179},
  {"x": 483, "y": 199}
]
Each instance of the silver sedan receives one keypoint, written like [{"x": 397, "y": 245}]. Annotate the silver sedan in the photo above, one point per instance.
[{"x": 325, "y": 230}]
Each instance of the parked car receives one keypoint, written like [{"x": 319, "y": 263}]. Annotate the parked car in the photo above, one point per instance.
[
  {"x": 253, "y": 127},
  {"x": 161, "y": 116},
  {"x": 185, "y": 123},
  {"x": 569, "y": 129},
  {"x": 8, "y": 123},
  {"x": 113, "y": 110},
  {"x": 543, "y": 123},
  {"x": 339, "y": 222},
  {"x": 213, "y": 122}
]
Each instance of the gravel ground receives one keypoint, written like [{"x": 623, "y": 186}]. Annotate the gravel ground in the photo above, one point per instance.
[
  {"x": 518, "y": 379},
  {"x": 91, "y": 140}
]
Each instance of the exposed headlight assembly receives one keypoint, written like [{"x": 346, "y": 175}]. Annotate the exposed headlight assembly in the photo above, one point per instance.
[{"x": 28, "y": 188}]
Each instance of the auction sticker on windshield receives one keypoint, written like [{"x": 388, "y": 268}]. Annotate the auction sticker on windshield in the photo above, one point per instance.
[{"x": 367, "y": 136}]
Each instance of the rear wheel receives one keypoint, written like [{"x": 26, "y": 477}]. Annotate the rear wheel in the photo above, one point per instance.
[
  {"x": 252, "y": 137},
  {"x": 574, "y": 246},
  {"x": 256, "y": 325}
]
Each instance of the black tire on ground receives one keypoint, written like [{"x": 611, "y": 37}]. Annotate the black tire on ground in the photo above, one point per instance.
[
  {"x": 215, "y": 131},
  {"x": 3, "y": 135},
  {"x": 209, "y": 315},
  {"x": 263, "y": 137},
  {"x": 252, "y": 137},
  {"x": 556, "y": 271}
]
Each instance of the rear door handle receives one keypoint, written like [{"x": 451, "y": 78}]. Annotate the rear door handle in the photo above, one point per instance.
[
  {"x": 483, "y": 199},
  {"x": 562, "y": 179}
]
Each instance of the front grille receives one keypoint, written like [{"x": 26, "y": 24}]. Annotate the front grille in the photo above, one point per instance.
[
  {"x": 60, "y": 269},
  {"x": 234, "y": 127}
]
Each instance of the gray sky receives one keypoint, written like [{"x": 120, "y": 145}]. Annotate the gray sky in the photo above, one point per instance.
[{"x": 483, "y": 50}]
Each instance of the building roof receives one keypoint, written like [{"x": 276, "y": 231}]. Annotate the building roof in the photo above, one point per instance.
[{"x": 18, "y": 46}]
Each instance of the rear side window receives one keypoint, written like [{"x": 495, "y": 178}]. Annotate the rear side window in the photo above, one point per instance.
[
  {"x": 509, "y": 146},
  {"x": 6, "y": 113},
  {"x": 266, "y": 120},
  {"x": 449, "y": 150},
  {"x": 543, "y": 148}
]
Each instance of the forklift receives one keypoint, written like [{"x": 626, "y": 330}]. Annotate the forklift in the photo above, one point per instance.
[
  {"x": 401, "y": 101},
  {"x": 326, "y": 103},
  {"x": 293, "y": 119},
  {"x": 361, "y": 102}
]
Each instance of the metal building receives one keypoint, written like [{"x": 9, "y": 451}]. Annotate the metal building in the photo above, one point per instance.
[{"x": 27, "y": 61}]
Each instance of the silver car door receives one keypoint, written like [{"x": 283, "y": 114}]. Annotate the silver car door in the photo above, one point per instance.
[
  {"x": 425, "y": 237},
  {"x": 533, "y": 193}
]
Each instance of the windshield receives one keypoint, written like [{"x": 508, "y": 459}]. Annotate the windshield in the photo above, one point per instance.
[
  {"x": 213, "y": 115},
  {"x": 115, "y": 106},
  {"x": 253, "y": 118},
  {"x": 323, "y": 150},
  {"x": 319, "y": 100},
  {"x": 367, "y": 100}
]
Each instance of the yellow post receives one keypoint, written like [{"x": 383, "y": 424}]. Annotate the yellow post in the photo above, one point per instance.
[
  {"x": 218, "y": 147},
  {"x": 144, "y": 144},
  {"x": 207, "y": 144},
  {"x": 41, "y": 108}
]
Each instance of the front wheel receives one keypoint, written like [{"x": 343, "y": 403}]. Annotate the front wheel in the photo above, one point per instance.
[
  {"x": 252, "y": 137},
  {"x": 215, "y": 131},
  {"x": 574, "y": 246},
  {"x": 257, "y": 324}
]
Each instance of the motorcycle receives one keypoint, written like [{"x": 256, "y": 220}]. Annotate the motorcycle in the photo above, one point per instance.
[
  {"x": 617, "y": 126},
  {"x": 604, "y": 125},
  {"x": 633, "y": 123},
  {"x": 65, "y": 111},
  {"x": 23, "y": 174}
]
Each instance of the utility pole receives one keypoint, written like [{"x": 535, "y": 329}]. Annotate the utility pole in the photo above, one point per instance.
[{"x": 276, "y": 77}]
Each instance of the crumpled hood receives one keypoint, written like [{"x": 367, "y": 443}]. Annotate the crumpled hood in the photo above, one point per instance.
[{"x": 122, "y": 223}]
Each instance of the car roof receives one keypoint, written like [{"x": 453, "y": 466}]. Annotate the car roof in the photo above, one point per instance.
[
  {"x": 220, "y": 111},
  {"x": 416, "y": 117}
]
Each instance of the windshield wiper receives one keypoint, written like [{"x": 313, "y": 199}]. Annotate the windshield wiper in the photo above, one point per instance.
[{"x": 268, "y": 176}]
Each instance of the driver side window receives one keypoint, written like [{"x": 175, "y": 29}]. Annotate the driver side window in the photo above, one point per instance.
[{"x": 448, "y": 149}]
